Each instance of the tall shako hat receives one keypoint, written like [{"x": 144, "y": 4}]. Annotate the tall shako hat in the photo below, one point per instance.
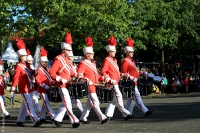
[
  {"x": 112, "y": 44},
  {"x": 89, "y": 46},
  {"x": 29, "y": 57},
  {"x": 130, "y": 45},
  {"x": 43, "y": 55},
  {"x": 68, "y": 42},
  {"x": 21, "y": 47}
]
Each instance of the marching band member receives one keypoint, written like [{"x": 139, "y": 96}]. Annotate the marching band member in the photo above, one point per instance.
[
  {"x": 130, "y": 70},
  {"x": 23, "y": 78},
  {"x": 110, "y": 71},
  {"x": 73, "y": 67},
  {"x": 33, "y": 91},
  {"x": 2, "y": 87},
  {"x": 44, "y": 81},
  {"x": 60, "y": 71},
  {"x": 87, "y": 70}
]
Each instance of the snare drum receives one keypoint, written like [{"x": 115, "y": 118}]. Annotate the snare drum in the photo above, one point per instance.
[
  {"x": 54, "y": 95},
  {"x": 78, "y": 89},
  {"x": 104, "y": 94},
  {"x": 127, "y": 87}
]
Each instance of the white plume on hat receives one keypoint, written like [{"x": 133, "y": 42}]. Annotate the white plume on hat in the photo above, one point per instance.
[
  {"x": 29, "y": 57},
  {"x": 89, "y": 44},
  {"x": 112, "y": 44},
  {"x": 68, "y": 42},
  {"x": 21, "y": 46},
  {"x": 129, "y": 47},
  {"x": 43, "y": 54}
]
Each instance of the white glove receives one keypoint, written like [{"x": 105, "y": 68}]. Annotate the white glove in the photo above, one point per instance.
[
  {"x": 12, "y": 88},
  {"x": 64, "y": 81},
  {"x": 80, "y": 75},
  {"x": 107, "y": 79},
  {"x": 113, "y": 81},
  {"x": 89, "y": 81},
  {"x": 135, "y": 79},
  {"x": 58, "y": 78},
  {"x": 32, "y": 67},
  {"x": 42, "y": 85},
  {"x": 126, "y": 74},
  {"x": 46, "y": 87},
  {"x": 131, "y": 77},
  {"x": 12, "y": 94}
]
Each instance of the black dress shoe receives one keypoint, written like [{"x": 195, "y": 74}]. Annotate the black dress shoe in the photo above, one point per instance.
[
  {"x": 56, "y": 123},
  {"x": 7, "y": 116},
  {"x": 43, "y": 121},
  {"x": 104, "y": 121},
  {"x": 21, "y": 124},
  {"x": 149, "y": 112},
  {"x": 128, "y": 117},
  {"x": 38, "y": 123},
  {"x": 75, "y": 125},
  {"x": 85, "y": 122}
]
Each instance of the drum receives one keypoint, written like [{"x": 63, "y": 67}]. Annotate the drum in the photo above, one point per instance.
[
  {"x": 127, "y": 88},
  {"x": 54, "y": 95},
  {"x": 78, "y": 90},
  {"x": 104, "y": 94}
]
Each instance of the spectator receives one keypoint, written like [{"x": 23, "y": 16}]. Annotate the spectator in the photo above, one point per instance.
[
  {"x": 198, "y": 84},
  {"x": 7, "y": 75},
  {"x": 186, "y": 81}
]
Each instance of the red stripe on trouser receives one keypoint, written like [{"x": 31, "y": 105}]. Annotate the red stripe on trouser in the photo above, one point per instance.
[
  {"x": 66, "y": 107},
  {"x": 137, "y": 102},
  {"x": 34, "y": 103},
  {"x": 29, "y": 112},
  {"x": 46, "y": 106},
  {"x": 118, "y": 104},
  {"x": 92, "y": 101}
]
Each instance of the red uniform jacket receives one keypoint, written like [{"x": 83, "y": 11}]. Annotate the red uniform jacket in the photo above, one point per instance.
[
  {"x": 89, "y": 71},
  {"x": 128, "y": 66},
  {"x": 61, "y": 67},
  {"x": 2, "y": 85},
  {"x": 43, "y": 76},
  {"x": 21, "y": 77},
  {"x": 110, "y": 68}
]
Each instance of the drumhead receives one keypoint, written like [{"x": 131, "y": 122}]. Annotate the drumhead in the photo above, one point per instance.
[{"x": 126, "y": 83}]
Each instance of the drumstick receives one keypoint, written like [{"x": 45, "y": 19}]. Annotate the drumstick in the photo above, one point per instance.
[
  {"x": 127, "y": 77},
  {"x": 99, "y": 84}
]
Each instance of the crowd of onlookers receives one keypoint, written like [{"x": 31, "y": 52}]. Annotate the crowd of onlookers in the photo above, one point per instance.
[{"x": 173, "y": 78}]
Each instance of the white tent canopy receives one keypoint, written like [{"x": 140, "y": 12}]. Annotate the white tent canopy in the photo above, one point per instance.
[{"x": 9, "y": 54}]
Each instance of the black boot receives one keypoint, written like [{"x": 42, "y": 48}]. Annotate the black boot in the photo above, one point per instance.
[
  {"x": 21, "y": 124},
  {"x": 75, "y": 125},
  {"x": 128, "y": 117},
  {"x": 149, "y": 112},
  {"x": 104, "y": 121},
  {"x": 56, "y": 123}
]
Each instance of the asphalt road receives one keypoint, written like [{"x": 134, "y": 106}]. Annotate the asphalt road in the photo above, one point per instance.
[{"x": 172, "y": 114}]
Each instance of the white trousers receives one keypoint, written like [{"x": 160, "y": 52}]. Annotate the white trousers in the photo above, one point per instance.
[
  {"x": 46, "y": 107},
  {"x": 27, "y": 107},
  {"x": 65, "y": 106},
  {"x": 92, "y": 102},
  {"x": 3, "y": 107},
  {"x": 136, "y": 98},
  {"x": 78, "y": 104},
  {"x": 35, "y": 101},
  {"x": 119, "y": 100}
]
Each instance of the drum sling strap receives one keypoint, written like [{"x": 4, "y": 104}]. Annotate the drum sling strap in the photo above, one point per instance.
[
  {"x": 28, "y": 74},
  {"x": 90, "y": 65},
  {"x": 113, "y": 64},
  {"x": 132, "y": 64},
  {"x": 65, "y": 66},
  {"x": 46, "y": 74}
]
